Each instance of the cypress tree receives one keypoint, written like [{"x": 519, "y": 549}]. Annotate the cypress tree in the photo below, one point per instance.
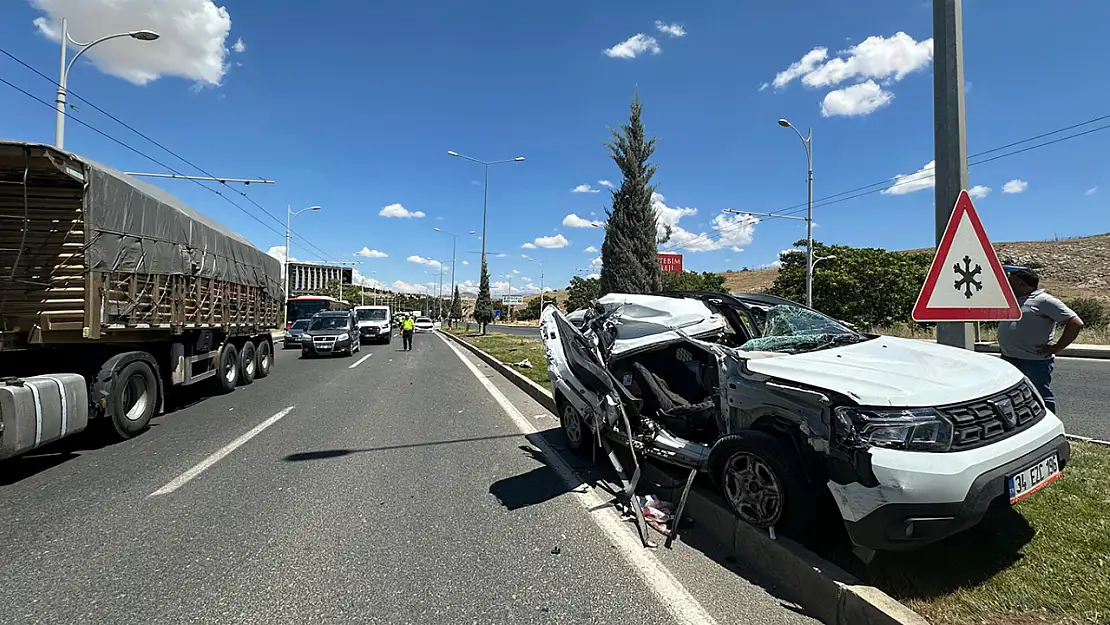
[
  {"x": 630, "y": 253},
  {"x": 483, "y": 307},
  {"x": 456, "y": 305}
]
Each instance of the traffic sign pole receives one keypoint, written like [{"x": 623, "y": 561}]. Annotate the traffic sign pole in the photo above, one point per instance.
[{"x": 949, "y": 139}]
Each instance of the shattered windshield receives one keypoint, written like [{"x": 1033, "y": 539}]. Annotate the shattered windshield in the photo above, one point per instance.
[{"x": 792, "y": 329}]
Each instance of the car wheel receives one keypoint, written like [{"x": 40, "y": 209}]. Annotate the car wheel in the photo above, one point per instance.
[
  {"x": 575, "y": 431},
  {"x": 763, "y": 482}
]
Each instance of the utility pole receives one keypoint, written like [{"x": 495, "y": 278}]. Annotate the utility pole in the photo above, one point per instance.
[{"x": 949, "y": 138}]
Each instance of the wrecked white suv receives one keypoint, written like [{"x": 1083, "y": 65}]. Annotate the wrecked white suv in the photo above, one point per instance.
[{"x": 781, "y": 404}]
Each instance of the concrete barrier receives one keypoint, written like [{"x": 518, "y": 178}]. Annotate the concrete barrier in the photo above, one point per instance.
[{"x": 832, "y": 595}]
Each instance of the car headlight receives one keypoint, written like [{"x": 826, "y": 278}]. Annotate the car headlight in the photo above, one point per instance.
[
  {"x": 911, "y": 429},
  {"x": 343, "y": 337}
]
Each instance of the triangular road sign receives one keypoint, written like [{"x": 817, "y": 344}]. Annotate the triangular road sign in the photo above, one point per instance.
[{"x": 965, "y": 282}]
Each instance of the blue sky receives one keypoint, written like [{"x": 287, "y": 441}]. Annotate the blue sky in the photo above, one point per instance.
[{"x": 354, "y": 105}]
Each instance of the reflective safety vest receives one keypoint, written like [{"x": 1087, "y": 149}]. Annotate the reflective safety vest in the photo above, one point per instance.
[{"x": 407, "y": 325}]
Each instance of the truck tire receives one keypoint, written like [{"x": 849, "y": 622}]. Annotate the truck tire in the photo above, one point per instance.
[
  {"x": 248, "y": 364},
  {"x": 227, "y": 369},
  {"x": 131, "y": 395},
  {"x": 265, "y": 357}
]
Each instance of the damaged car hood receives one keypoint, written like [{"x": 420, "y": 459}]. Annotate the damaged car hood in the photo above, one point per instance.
[
  {"x": 643, "y": 320},
  {"x": 889, "y": 371}
]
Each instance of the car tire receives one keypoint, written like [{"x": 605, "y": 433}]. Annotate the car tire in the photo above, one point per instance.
[
  {"x": 265, "y": 358},
  {"x": 763, "y": 482},
  {"x": 227, "y": 369},
  {"x": 248, "y": 364},
  {"x": 579, "y": 437}
]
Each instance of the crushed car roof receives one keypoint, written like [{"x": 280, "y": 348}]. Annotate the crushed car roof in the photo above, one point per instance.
[{"x": 646, "y": 320}]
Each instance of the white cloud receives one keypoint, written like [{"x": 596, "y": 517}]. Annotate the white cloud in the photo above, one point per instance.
[
  {"x": 554, "y": 242},
  {"x": 593, "y": 276},
  {"x": 763, "y": 86},
  {"x": 862, "y": 99},
  {"x": 807, "y": 64},
  {"x": 501, "y": 255},
  {"x": 399, "y": 212},
  {"x": 427, "y": 262},
  {"x": 671, "y": 30},
  {"x": 574, "y": 221},
  {"x": 596, "y": 263},
  {"x": 516, "y": 272},
  {"x": 732, "y": 230},
  {"x": 278, "y": 252},
  {"x": 919, "y": 180},
  {"x": 633, "y": 47},
  {"x": 404, "y": 287},
  {"x": 1091, "y": 191},
  {"x": 466, "y": 262},
  {"x": 605, "y": 183},
  {"x": 874, "y": 57},
  {"x": 979, "y": 191},
  {"x": 591, "y": 249},
  {"x": 1015, "y": 186},
  {"x": 369, "y": 253},
  {"x": 529, "y": 246},
  {"x": 239, "y": 46},
  {"x": 361, "y": 280},
  {"x": 193, "y": 42},
  {"x": 584, "y": 188}
]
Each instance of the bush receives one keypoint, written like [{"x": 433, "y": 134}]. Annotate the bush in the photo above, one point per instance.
[{"x": 1090, "y": 310}]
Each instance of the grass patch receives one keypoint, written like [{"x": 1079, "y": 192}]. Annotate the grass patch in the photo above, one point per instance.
[
  {"x": 1098, "y": 335},
  {"x": 509, "y": 349},
  {"x": 1046, "y": 560}
]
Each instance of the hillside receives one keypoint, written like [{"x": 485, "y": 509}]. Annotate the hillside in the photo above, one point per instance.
[{"x": 1078, "y": 267}]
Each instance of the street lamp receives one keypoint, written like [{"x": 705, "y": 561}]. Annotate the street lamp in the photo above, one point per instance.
[
  {"x": 63, "y": 78},
  {"x": 289, "y": 215},
  {"x": 540, "y": 263},
  {"x": 454, "y": 242},
  {"x": 485, "y": 188},
  {"x": 807, "y": 141}
]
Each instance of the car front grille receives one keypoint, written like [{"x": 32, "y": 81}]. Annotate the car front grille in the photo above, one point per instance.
[{"x": 985, "y": 421}]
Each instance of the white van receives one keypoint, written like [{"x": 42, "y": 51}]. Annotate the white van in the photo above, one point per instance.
[{"x": 374, "y": 323}]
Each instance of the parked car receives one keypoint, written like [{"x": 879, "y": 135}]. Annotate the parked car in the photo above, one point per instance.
[
  {"x": 424, "y": 324},
  {"x": 785, "y": 407},
  {"x": 374, "y": 323},
  {"x": 331, "y": 332},
  {"x": 292, "y": 336}
]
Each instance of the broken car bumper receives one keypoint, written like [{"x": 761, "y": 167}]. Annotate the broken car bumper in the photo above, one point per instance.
[{"x": 920, "y": 500}]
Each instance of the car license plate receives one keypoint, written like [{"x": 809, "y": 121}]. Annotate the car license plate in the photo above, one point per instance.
[{"x": 1034, "y": 478}]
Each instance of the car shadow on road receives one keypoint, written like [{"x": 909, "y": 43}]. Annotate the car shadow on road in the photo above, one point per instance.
[{"x": 326, "y": 454}]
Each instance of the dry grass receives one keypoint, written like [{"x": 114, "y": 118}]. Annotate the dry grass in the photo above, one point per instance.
[
  {"x": 510, "y": 349},
  {"x": 1089, "y": 336},
  {"x": 1046, "y": 560}
]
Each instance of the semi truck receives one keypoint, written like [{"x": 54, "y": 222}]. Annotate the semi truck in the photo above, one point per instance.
[{"x": 114, "y": 294}]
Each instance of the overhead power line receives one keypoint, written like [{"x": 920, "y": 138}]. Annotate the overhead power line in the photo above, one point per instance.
[
  {"x": 889, "y": 183},
  {"x": 223, "y": 182}
]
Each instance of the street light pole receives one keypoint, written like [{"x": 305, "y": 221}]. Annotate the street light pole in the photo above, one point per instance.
[
  {"x": 289, "y": 215},
  {"x": 454, "y": 244},
  {"x": 63, "y": 73},
  {"x": 807, "y": 141},
  {"x": 485, "y": 189}
]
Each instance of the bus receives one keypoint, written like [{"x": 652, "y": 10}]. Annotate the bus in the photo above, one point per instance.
[{"x": 304, "y": 306}]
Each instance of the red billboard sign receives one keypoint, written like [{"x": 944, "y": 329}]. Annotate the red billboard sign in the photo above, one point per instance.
[{"x": 670, "y": 262}]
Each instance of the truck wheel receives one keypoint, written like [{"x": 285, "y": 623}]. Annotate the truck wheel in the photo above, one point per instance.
[
  {"x": 132, "y": 398},
  {"x": 265, "y": 359},
  {"x": 227, "y": 368},
  {"x": 248, "y": 364},
  {"x": 763, "y": 482}
]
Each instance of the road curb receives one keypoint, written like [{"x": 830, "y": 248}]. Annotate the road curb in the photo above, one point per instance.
[{"x": 829, "y": 593}]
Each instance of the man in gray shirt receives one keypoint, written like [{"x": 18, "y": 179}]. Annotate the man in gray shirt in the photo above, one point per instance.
[{"x": 1028, "y": 343}]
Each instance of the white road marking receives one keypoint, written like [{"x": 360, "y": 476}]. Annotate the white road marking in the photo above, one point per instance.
[
  {"x": 678, "y": 601},
  {"x": 185, "y": 477},
  {"x": 360, "y": 361}
]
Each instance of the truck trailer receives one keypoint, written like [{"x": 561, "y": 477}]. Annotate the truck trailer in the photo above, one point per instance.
[{"x": 113, "y": 294}]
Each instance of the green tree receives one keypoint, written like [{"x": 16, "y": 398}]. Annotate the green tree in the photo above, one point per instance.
[
  {"x": 693, "y": 281},
  {"x": 1091, "y": 311},
  {"x": 456, "y": 305},
  {"x": 869, "y": 287},
  {"x": 582, "y": 292},
  {"x": 483, "y": 307},
  {"x": 533, "y": 307},
  {"x": 630, "y": 253}
]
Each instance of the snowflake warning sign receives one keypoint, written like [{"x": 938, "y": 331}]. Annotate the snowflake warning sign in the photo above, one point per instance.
[{"x": 965, "y": 282}]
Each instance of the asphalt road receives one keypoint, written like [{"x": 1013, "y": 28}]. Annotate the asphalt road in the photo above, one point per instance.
[
  {"x": 399, "y": 490},
  {"x": 1082, "y": 387}
]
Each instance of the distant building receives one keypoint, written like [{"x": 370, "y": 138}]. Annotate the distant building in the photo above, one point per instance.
[{"x": 312, "y": 279}]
